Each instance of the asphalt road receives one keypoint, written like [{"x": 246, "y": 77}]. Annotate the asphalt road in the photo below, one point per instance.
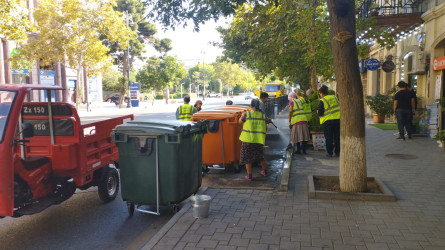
[{"x": 83, "y": 221}]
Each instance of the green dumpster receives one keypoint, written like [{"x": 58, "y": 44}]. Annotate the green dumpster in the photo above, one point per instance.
[{"x": 159, "y": 161}]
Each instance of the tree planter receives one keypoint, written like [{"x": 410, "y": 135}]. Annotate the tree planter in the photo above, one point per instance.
[
  {"x": 440, "y": 144},
  {"x": 318, "y": 140},
  {"x": 378, "y": 118},
  {"x": 324, "y": 187}
]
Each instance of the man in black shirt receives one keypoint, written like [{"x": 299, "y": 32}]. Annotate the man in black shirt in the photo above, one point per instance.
[{"x": 404, "y": 106}]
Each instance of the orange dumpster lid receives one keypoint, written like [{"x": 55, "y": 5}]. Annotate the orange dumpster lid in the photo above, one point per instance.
[
  {"x": 232, "y": 107},
  {"x": 213, "y": 115}
]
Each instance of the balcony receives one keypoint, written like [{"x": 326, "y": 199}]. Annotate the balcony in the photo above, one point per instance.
[{"x": 401, "y": 15}]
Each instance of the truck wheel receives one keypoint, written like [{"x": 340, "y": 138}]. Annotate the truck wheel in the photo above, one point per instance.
[{"x": 109, "y": 184}]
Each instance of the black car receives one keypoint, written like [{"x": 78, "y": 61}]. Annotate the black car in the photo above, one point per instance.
[{"x": 115, "y": 98}]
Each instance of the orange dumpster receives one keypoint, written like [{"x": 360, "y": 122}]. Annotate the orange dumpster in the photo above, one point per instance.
[
  {"x": 221, "y": 144},
  {"x": 234, "y": 107}
]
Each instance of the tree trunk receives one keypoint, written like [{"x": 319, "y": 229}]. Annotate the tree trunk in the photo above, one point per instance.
[
  {"x": 79, "y": 82},
  {"x": 313, "y": 78},
  {"x": 125, "y": 64},
  {"x": 352, "y": 121}
]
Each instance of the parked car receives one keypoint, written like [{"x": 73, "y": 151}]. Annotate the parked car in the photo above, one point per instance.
[
  {"x": 114, "y": 97},
  {"x": 249, "y": 96},
  {"x": 213, "y": 95}
]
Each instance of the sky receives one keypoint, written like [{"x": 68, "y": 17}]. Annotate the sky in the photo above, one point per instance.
[{"x": 193, "y": 47}]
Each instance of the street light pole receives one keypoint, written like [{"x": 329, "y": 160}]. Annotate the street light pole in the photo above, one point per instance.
[
  {"x": 128, "y": 64},
  {"x": 204, "y": 76}
]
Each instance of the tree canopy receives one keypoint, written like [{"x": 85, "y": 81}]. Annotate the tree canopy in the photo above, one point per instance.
[
  {"x": 143, "y": 34},
  {"x": 286, "y": 38},
  {"x": 14, "y": 22},
  {"x": 161, "y": 72}
]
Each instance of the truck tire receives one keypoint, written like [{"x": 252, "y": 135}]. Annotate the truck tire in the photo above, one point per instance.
[{"x": 109, "y": 184}]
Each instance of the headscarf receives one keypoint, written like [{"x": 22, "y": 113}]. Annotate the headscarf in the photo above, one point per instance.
[{"x": 291, "y": 96}]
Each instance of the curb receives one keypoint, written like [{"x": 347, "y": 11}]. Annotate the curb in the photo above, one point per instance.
[{"x": 285, "y": 175}]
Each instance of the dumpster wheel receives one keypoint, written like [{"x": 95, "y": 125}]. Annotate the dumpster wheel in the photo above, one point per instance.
[
  {"x": 176, "y": 208},
  {"x": 130, "y": 207}
]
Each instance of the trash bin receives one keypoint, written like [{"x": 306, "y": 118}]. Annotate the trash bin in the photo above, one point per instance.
[
  {"x": 233, "y": 107},
  {"x": 220, "y": 145},
  {"x": 201, "y": 206},
  {"x": 159, "y": 161}
]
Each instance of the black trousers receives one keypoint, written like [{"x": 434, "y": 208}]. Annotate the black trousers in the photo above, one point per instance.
[{"x": 332, "y": 136}]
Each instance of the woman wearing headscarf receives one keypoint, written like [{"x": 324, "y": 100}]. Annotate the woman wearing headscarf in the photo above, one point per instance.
[
  {"x": 298, "y": 120},
  {"x": 253, "y": 137},
  {"x": 198, "y": 105}
]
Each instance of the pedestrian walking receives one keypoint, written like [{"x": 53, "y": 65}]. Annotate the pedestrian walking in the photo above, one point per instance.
[
  {"x": 298, "y": 121},
  {"x": 329, "y": 113},
  {"x": 198, "y": 105},
  {"x": 253, "y": 137},
  {"x": 404, "y": 108},
  {"x": 185, "y": 111}
]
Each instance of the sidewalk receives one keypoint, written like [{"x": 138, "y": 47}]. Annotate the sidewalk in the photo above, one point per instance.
[{"x": 254, "y": 219}]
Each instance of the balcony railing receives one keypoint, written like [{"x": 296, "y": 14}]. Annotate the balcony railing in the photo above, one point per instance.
[{"x": 390, "y": 8}]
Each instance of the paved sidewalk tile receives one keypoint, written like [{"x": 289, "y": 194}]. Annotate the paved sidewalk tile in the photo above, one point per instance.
[{"x": 271, "y": 220}]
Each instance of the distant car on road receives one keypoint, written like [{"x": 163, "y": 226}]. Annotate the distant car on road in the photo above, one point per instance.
[
  {"x": 114, "y": 97},
  {"x": 249, "y": 96},
  {"x": 213, "y": 95}
]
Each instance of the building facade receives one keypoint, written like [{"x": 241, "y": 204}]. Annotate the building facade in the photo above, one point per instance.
[{"x": 418, "y": 56}]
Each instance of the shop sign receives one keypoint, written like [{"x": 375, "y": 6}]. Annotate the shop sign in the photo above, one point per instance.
[
  {"x": 135, "y": 86},
  {"x": 372, "y": 64},
  {"x": 388, "y": 66},
  {"x": 439, "y": 63}
]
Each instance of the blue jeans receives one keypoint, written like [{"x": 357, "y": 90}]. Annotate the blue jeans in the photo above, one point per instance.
[
  {"x": 332, "y": 136},
  {"x": 403, "y": 121}
]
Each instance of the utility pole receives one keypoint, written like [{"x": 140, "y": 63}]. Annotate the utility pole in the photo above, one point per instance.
[
  {"x": 204, "y": 76},
  {"x": 128, "y": 63}
]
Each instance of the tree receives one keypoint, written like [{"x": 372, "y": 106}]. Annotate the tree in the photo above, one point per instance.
[
  {"x": 232, "y": 75},
  {"x": 14, "y": 22},
  {"x": 68, "y": 31},
  {"x": 288, "y": 39},
  {"x": 110, "y": 80},
  {"x": 349, "y": 86},
  {"x": 143, "y": 34},
  {"x": 161, "y": 73}
]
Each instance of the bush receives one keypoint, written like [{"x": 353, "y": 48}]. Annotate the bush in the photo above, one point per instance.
[
  {"x": 159, "y": 96},
  {"x": 380, "y": 104},
  {"x": 440, "y": 136},
  {"x": 314, "y": 123}
]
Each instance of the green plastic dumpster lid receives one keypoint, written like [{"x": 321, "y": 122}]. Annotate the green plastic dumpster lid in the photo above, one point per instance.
[{"x": 160, "y": 127}]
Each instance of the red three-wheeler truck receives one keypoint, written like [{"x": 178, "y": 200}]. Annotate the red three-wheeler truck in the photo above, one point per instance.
[{"x": 46, "y": 153}]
